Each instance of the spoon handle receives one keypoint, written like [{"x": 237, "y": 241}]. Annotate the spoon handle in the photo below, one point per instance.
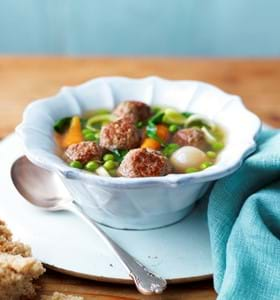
[{"x": 146, "y": 282}]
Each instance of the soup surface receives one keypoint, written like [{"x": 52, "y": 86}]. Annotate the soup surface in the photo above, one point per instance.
[{"x": 136, "y": 140}]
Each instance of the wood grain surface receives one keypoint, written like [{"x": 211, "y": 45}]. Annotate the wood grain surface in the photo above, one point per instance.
[{"x": 23, "y": 79}]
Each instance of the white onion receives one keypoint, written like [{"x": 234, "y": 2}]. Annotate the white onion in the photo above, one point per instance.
[
  {"x": 101, "y": 171},
  {"x": 187, "y": 157},
  {"x": 201, "y": 118}
]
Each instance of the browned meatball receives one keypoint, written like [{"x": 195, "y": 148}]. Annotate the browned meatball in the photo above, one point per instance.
[
  {"x": 120, "y": 134},
  {"x": 190, "y": 137},
  {"x": 136, "y": 110},
  {"x": 144, "y": 163},
  {"x": 83, "y": 152}
]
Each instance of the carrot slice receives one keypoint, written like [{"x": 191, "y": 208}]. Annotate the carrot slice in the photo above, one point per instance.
[
  {"x": 74, "y": 133},
  {"x": 162, "y": 132},
  {"x": 151, "y": 144}
]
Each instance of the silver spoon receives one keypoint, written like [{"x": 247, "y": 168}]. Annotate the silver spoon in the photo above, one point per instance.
[{"x": 44, "y": 188}]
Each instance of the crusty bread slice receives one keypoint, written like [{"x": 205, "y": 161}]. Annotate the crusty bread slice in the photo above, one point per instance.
[
  {"x": 17, "y": 268},
  {"x": 16, "y": 276}
]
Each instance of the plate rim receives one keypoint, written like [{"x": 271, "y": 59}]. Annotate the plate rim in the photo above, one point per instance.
[{"x": 123, "y": 281}]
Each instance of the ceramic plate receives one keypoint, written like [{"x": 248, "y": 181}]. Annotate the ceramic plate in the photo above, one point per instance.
[{"x": 179, "y": 253}]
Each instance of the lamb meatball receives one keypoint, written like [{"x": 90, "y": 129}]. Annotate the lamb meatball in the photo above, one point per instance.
[
  {"x": 136, "y": 110},
  {"x": 190, "y": 137},
  {"x": 121, "y": 134},
  {"x": 84, "y": 152},
  {"x": 144, "y": 163}
]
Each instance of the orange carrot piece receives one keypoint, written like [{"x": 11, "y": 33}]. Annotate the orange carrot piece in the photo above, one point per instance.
[
  {"x": 74, "y": 133},
  {"x": 150, "y": 144},
  {"x": 162, "y": 132}
]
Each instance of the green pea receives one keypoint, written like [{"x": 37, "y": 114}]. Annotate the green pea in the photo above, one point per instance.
[
  {"x": 113, "y": 172},
  {"x": 109, "y": 165},
  {"x": 97, "y": 135},
  {"x": 91, "y": 166},
  {"x": 217, "y": 146},
  {"x": 107, "y": 157},
  {"x": 76, "y": 164},
  {"x": 206, "y": 165},
  {"x": 211, "y": 154},
  {"x": 86, "y": 131},
  {"x": 191, "y": 170},
  {"x": 90, "y": 137},
  {"x": 173, "y": 128}
]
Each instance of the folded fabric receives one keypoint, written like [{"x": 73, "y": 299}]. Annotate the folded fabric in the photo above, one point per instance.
[{"x": 244, "y": 225}]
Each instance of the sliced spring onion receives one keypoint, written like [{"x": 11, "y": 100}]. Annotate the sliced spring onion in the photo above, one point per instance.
[
  {"x": 210, "y": 138},
  {"x": 199, "y": 118},
  {"x": 99, "y": 119},
  {"x": 172, "y": 116}
]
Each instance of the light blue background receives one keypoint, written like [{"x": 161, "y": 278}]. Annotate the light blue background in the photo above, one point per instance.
[{"x": 141, "y": 27}]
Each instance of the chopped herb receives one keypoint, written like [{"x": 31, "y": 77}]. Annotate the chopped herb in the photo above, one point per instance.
[
  {"x": 156, "y": 118},
  {"x": 170, "y": 149},
  {"x": 62, "y": 125},
  {"x": 119, "y": 154},
  {"x": 151, "y": 132}
]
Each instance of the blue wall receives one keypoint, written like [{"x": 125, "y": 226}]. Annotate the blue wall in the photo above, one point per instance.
[{"x": 141, "y": 27}]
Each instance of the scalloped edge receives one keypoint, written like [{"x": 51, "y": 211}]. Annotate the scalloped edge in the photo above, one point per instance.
[{"x": 52, "y": 162}]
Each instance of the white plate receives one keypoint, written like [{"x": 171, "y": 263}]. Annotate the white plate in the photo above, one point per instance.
[{"x": 179, "y": 253}]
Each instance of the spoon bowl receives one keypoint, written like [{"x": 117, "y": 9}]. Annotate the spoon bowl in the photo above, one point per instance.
[{"x": 38, "y": 186}]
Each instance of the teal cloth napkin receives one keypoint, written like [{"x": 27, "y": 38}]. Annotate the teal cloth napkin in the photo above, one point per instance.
[{"x": 244, "y": 225}]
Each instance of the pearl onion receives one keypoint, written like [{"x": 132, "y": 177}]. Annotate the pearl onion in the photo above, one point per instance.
[{"x": 187, "y": 157}]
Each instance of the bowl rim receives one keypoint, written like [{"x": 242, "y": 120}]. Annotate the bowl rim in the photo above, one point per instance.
[{"x": 207, "y": 175}]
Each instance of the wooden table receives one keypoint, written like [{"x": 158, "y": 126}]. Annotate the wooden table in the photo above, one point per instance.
[{"x": 23, "y": 79}]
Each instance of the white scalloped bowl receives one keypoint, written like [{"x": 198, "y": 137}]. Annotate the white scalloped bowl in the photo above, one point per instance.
[{"x": 139, "y": 203}]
